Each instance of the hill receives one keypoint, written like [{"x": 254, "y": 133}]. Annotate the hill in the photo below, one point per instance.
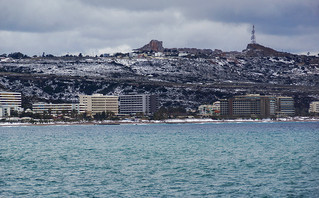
[{"x": 199, "y": 76}]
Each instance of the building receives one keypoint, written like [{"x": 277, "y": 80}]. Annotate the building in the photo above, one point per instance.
[
  {"x": 209, "y": 110},
  {"x": 255, "y": 105},
  {"x": 252, "y": 105},
  {"x": 10, "y": 101},
  {"x": 143, "y": 103},
  {"x": 56, "y": 109},
  {"x": 98, "y": 103},
  {"x": 5, "y": 111},
  {"x": 314, "y": 107},
  {"x": 285, "y": 106}
]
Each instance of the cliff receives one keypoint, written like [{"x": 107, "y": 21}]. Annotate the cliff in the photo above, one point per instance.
[
  {"x": 262, "y": 51},
  {"x": 152, "y": 46}
]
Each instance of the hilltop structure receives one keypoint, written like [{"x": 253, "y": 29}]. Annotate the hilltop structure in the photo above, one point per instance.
[
  {"x": 253, "y": 37},
  {"x": 152, "y": 46}
]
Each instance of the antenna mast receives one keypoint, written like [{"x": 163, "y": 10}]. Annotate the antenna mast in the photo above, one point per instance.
[{"x": 253, "y": 37}]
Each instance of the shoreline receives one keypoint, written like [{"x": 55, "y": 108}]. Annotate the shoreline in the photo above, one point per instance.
[{"x": 168, "y": 121}]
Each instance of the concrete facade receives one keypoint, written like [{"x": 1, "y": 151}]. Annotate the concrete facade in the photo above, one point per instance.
[
  {"x": 285, "y": 106},
  {"x": 314, "y": 107},
  {"x": 252, "y": 105},
  {"x": 56, "y": 109},
  {"x": 142, "y": 103},
  {"x": 98, "y": 103},
  {"x": 9, "y": 101}
]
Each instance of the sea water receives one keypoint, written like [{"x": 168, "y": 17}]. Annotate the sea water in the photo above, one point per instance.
[{"x": 161, "y": 160}]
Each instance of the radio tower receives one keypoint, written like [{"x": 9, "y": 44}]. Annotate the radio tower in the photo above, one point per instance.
[{"x": 253, "y": 37}]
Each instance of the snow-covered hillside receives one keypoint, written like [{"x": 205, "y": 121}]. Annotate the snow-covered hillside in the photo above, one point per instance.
[{"x": 178, "y": 80}]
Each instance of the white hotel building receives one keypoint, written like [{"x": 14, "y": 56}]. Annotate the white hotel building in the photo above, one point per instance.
[
  {"x": 56, "y": 109},
  {"x": 98, "y": 103},
  {"x": 9, "y": 101},
  {"x": 314, "y": 107}
]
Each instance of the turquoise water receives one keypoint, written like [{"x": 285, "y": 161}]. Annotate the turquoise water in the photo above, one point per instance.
[{"x": 168, "y": 160}]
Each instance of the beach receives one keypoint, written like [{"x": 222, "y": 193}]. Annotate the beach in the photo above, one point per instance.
[{"x": 167, "y": 121}]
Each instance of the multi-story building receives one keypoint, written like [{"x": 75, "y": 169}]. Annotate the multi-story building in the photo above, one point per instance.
[
  {"x": 285, "y": 106},
  {"x": 253, "y": 105},
  {"x": 224, "y": 106},
  {"x": 98, "y": 103},
  {"x": 142, "y": 103},
  {"x": 5, "y": 111},
  {"x": 9, "y": 101},
  {"x": 56, "y": 109},
  {"x": 314, "y": 107}
]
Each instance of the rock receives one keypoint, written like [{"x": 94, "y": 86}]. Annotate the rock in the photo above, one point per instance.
[
  {"x": 262, "y": 51},
  {"x": 153, "y": 46}
]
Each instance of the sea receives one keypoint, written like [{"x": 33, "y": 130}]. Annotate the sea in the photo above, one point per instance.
[{"x": 276, "y": 159}]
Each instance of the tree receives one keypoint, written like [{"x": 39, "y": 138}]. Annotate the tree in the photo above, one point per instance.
[
  {"x": 110, "y": 115},
  {"x": 98, "y": 116},
  {"x": 74, "y": 113},
  {"x": 170, "y": 112},
  {"x": 65, "y": 112},
  {"x": 17, "y": 55},
  {"x": 161, "y": 114},
  {"x": 14, "y": 113}
]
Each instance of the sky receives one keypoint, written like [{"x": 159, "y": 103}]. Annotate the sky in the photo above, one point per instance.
[{"x": 93, "y": 27}]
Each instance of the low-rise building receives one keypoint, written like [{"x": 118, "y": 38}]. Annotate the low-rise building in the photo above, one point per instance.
[
  {"x": 56, "y": 109},
  {"x": 6, "y": 110},
  {"x": 209, "y": 110},
  {"x": 314, "y": 107}
]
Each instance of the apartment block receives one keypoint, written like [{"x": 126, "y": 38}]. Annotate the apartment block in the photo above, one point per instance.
[
  {"x": 98, "y": 103},
  {"x": 252, "y": 105},
  {"x": 56, "y": 109},
  {"x": 5, "y": 111},
  {"x": 314, "y": 107},
  {"x": 142, "y": 103},
  {"x": 285, "y": 106},
  {"x": 9, "y": 101}
]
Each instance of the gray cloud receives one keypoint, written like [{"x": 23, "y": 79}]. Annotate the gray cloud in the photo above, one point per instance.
[{"x": 61, "y": 26}]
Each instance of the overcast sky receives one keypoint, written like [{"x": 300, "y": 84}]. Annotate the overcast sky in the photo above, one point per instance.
[{"x": 104, "y": 26}]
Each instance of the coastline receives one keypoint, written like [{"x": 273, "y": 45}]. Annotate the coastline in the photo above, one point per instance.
[{"x": 168, "y": 121}]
